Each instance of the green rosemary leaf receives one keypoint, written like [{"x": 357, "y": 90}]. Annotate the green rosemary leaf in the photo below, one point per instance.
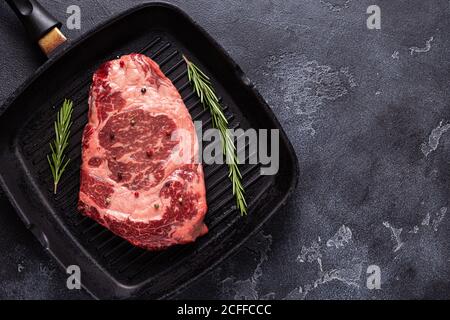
[
  {"x": 202, "y": 86},
  {"x": 57, "y": 161}
]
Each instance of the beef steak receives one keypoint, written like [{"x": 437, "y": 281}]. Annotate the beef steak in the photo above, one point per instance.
[{"x": 139, "y": 174}]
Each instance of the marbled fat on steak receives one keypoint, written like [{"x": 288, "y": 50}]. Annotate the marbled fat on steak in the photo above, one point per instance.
[{"x": 133, "y": 180}]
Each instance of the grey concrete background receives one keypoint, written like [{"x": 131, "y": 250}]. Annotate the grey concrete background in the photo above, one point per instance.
[{"x": 368, "y": 114}]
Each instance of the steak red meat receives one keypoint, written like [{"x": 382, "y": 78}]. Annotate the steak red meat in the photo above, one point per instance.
[{"x": 139, "y": 174}]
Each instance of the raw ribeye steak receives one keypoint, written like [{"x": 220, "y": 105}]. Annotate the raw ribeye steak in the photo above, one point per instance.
[{"x": 140, "y": 176}]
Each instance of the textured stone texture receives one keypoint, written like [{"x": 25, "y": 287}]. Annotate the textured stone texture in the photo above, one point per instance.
[{"x": 368, "y": 113}]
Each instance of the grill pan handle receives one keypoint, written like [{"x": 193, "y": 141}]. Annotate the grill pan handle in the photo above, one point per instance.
[{"x": 40, "y": 25}]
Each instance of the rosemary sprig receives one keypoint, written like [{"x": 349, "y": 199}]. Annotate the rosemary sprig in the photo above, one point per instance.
[
  {"x": 57, "y": 160},
  {"x": 205, "y": 91}
]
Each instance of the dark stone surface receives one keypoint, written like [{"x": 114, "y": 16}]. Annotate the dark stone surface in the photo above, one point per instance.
[{"x": 367, "y": 114}]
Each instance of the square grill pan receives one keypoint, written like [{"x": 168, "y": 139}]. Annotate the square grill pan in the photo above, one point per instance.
[{"x": 110, "y": 266}]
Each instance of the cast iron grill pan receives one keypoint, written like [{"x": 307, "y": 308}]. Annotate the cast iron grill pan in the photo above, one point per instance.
[{"x": 110, "y": 266}]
